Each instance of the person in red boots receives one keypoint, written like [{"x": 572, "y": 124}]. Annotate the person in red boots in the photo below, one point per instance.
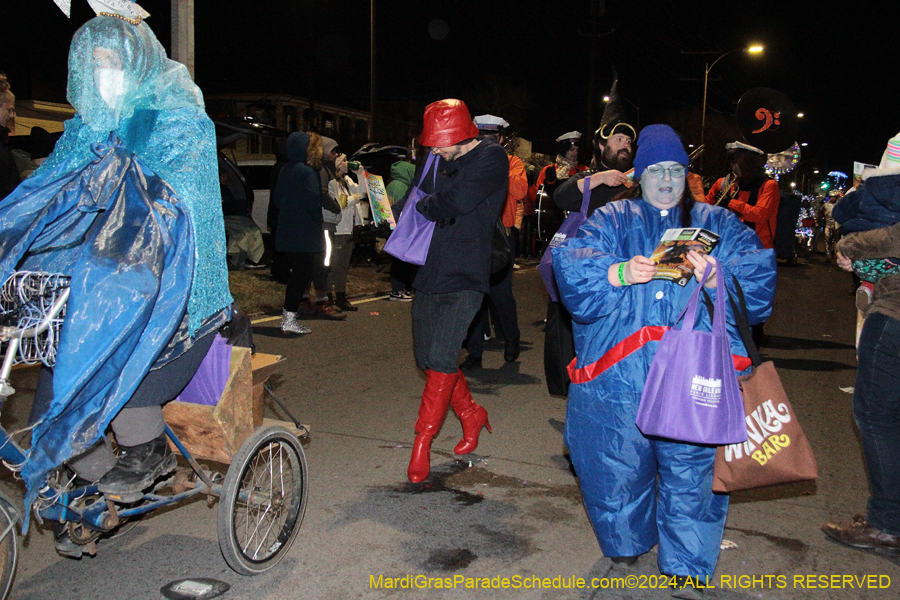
[{"x": 464, "y": 201}]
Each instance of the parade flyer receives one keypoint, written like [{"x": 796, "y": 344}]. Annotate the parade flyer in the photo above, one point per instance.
[
  {"x": 378, "y": 198},
  {"x": 670, "y": 255}
]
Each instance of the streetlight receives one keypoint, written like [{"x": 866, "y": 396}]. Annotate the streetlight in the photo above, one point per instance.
[{"x": 752, "y": 50}]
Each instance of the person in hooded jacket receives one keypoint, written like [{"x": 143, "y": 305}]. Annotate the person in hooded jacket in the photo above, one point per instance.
[
  {"x": 349, "y": 195},
  {"x": 875, "y": 203},
  {"x": 401, "y": 178},
  {"x": 299, "y": 236},
  {"x": 402, "y": 272},
  {"x": 641, "y": 491},
  {"x": 324, "y": 308}
]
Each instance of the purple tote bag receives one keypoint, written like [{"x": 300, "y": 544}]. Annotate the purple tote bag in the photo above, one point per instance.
[
  {"x": 569, "y": 227},
  {"x": 412, "y": 236},
  {"x": 209, "y": 381},
  {"x": 692, "y": 392}
]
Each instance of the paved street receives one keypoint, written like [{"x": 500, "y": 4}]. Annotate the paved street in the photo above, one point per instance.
[{"x": 511, "y": 509}]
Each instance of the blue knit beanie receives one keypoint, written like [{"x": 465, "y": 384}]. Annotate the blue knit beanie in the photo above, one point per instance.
[{"x": 658, "y": 143}]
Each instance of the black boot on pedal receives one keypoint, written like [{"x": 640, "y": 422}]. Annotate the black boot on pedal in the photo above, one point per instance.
[{"x": 137, "y": 468}]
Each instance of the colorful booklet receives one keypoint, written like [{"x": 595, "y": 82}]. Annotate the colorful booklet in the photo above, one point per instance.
[
  {"x": 378, "y": 198},
  {"x": 671, "y": 253}
]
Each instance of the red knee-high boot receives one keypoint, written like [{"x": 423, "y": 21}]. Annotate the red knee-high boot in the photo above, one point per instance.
[
  {"x": 435, "y": 400},
  {"x": 473, "y": 416}
]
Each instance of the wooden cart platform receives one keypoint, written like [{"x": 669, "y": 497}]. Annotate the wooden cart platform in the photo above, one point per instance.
[{"x": 216, "y": 432}]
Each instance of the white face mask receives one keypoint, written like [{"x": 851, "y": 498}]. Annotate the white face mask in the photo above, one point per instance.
[{"x": 111, "y": 84}]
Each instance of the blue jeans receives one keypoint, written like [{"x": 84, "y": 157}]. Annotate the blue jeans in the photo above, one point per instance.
[
  {"x": 440, "y": 323},
  {"x": 876, "y": 408}
]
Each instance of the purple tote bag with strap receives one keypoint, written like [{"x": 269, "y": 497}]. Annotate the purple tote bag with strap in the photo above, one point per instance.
[
  {"x": 412, "y": 236},
  {"x": 569, "y": 227},
  {"x": 692, "y": 392}
]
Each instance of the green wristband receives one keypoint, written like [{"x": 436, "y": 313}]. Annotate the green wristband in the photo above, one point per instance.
[{"x": 622, "y": 274}]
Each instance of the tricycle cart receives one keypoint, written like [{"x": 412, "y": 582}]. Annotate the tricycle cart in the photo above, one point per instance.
[{"x": 262, "y": 493}]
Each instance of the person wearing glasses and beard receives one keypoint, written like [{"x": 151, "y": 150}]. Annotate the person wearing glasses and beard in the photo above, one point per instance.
[{"x": 607, "y": 179}]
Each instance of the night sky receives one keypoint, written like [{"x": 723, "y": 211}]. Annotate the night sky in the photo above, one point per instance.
[{"x": 528, "y": 61}]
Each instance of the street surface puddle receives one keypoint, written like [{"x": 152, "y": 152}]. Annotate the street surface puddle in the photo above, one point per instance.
[
  {"x": 446, "y": 522},
  {"x": 789, "y": 544},
  {"x": 450, "y": 559}
]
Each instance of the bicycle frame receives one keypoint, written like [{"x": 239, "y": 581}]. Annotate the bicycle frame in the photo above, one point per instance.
[
  {"x": 56, "y": 502},
  {"x": 58, "y": 505}
]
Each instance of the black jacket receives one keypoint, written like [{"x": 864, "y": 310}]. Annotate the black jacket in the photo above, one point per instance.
[
  {"x": 568, "y": 196},
  {"x": 465, "y": 203},
  {"x": 299, "y": 204}
]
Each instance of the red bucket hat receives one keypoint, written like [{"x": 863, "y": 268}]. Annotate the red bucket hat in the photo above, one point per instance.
[{"x": 446, "y": 123}]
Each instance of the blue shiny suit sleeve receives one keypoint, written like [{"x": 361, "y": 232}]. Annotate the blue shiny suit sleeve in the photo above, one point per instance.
[{"x": 581, "y": 265}]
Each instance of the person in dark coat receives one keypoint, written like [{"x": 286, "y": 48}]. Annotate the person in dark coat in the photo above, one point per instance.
[
  {"x": 299, "y": 233},
  {"x": 500, "y": 303},
  {"x": 402, "y": 273},
  {"x": 464, "y": 202},
  {"x": 607, "y": 178}
]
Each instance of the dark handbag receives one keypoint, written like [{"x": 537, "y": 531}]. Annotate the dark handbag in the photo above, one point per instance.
[
  {"x": 238, "y": 331},
  {"x": 776, "y": 450},
  {"x": 411, "y": 237},
  {"x": 559, "y": 349},
  {"x": 569, "y": 228},
  {"x": 500, "y": 250}
]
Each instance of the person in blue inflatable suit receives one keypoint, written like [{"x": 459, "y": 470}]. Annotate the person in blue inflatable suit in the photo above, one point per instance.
[
  {"x": 641, "y": 491},
  {"x": 128, "y": 205}
]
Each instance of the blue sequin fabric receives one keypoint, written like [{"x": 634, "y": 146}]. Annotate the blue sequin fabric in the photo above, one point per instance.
[{"x": 160, "y": 117}]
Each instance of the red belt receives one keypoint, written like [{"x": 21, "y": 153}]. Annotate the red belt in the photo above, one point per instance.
[{"x": 626, "y": 347}]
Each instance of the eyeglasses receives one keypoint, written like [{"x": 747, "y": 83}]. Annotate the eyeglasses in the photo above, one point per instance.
[{"x": 658, "y": 171}]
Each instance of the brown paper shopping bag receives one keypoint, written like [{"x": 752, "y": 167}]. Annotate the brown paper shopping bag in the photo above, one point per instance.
[{"x": 776, "y": 450}]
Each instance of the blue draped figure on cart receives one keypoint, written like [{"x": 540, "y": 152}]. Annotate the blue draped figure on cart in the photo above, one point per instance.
[{"x": 129, "y": 206}]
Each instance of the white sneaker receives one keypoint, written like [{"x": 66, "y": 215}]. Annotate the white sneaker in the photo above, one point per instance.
[{"x": 400, "y": 297}]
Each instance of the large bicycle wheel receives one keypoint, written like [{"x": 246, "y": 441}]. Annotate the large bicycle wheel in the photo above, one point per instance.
[
  {"x": 263, "y": 500},
  {"x": 9, "y": 548}
]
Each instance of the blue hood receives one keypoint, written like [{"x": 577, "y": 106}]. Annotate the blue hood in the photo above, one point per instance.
[{"x": 297, "y": 145}]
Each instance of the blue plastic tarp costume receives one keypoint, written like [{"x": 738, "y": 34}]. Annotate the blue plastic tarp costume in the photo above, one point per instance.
[
  {"x": 124, "y": 238},
  {"x": 160, "y": 117},
  {"x": 134, "y": 216},
  {"x": 616, "y": 464}
]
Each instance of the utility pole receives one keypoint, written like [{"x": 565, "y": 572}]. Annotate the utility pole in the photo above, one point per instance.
[
  {"x": 598, "y": 9},
  {"x": 183, "y": 33},
  {"x": 371, "y": 69}
]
